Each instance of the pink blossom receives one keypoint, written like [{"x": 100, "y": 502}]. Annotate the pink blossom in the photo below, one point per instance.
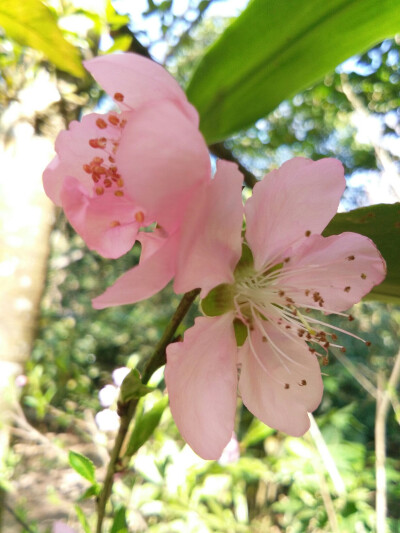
[
  {"x": 117, "y": 173},
  {"x": 61, "y": 527},
  {"x": 261, "y": 337}
]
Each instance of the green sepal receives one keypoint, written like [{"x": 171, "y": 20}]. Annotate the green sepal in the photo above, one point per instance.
[
  {"x": 245, "y": 264},
  {"x": 218, "y": 301},
  {"x": 133, "y": 388},
  {"x": 240, "y": 332}
]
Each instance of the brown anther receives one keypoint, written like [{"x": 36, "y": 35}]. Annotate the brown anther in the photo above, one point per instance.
[
  {"x": 87, "y": 168},
  {"x": 363, "y": 276},
  {"x": 111, "y": 159},
  {"x": 326, "y": 344},
  {"x": 95, "y": 178},
  {"x": 289, "y": 300},
  {"x": 334, "y": 337},
  {"x": 294, "y": 312},
  {"x": 307, "y": 292},
  {"x": 100, "y": 170},
  {"x": 119, "y": 97},
  {"x": 351, "y": 318},
  {"x": 307, "y": 310},
  {"x": 118, "y": 193},
  {"x": 300, "y": 332},
  {"x": 102, "y": 142},
  {"x": 287, "y": 386},
  {"x": 113, "y": 169},
  {"x": 107, "y": 183},
  {"x": 350, "y": 258},
  {"x": 307, "y": 233},
  {"x": 286, "y": 260},
  {"x": 139, "y": 217},
  {"x": 347, "y": 289},
  {"x": 308, "y": 336},
  {"x": 367, "y": 343},
  {"x": 264, "y": 338},
  {"x": 325, "y": 361},
  {"x": 94, "y": 143},
  {"x": 302, "y": 383},
  {"x": 100, "y": 123},
  {"x": 312, "y": 350},
  {"x": 288, "y": 326},
  {"x": 281, "y": 293},
  {"x": 120, "y": 182},
  {"x": 123, "y": 123},
  {"x": 97, "y": 161},
  {"x": 115, "y": 223},
  {"x": 343, "y": 349},
  {"x": 113, "y": 119},
  {"x": 99, "y": 190}
]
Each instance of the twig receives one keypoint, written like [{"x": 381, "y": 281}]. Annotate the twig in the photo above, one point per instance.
[
  {"x": 326, "y": 457},
  {"x": 220, "y": 150},
  {"x": 127, "y": 411},
  {"x": 18, "y": 518},
  {"x": 382, "y": 408},
  {"x": 354, "y": 371}
]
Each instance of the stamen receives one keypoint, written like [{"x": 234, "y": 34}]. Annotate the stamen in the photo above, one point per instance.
[
  {"x": 101, "y": 123},
  {"x": 119, "y": 97}
]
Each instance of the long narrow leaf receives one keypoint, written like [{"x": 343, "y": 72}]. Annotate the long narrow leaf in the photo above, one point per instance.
[{"x": 277, "y": 48}]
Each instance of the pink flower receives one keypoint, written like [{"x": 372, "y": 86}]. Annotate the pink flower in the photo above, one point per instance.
[
  {"x": 117, "y": 173},
  {"x": 261, "y": 338}
]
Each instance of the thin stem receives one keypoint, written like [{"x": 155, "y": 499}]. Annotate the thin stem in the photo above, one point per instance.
[
  {"x": 382, "y": 408},
  {"x": 127, "y": 411}
]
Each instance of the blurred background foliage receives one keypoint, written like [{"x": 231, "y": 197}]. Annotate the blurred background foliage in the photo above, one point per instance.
[{"x": 323, "y": 482}]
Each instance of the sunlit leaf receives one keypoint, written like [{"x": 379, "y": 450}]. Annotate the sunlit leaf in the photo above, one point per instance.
[
  {"x": 145, "y": 425},
  {"x": 276, "y": 48},
  {"x": 82, "y": 465},
  {"x": 31, "y": 23},
  {"x": 381, "y": 223}
]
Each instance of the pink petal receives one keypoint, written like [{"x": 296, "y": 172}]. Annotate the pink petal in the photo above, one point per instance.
[
  {"x": 301, "y": 196},
  {"x": 329, "y": 268},
  {"x": 144, "y": 280},
  {"x": 162, "y": 157},
  {"x": 74, "y": 151},
  {"x": 60, "y": 527},
  {"x": 106, "y": 223},
  {"x": 265, "y": 373},
  {"x": 210, "y": 245},
  {"x": 201, "y": 380},
  {"x": 139, "y": 80}
]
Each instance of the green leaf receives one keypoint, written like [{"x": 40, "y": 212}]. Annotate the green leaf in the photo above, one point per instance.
[
  {"x": 93, "y": 490},
  {"x": 119, "y": 524},
  {"x": 83, "y": 466},
  {"x": 82, "y": 519},
  {"x": 145, "y": 425},
  {"x": 218, "y": 301},
  {"x": 31, "y": 23},
  {"x": 133, "y": 388},
  {"x": 277, "y": 48},
  {"x": 381, "y": 223}
]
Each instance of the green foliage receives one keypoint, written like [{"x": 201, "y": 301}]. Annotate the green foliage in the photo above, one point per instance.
[
  {"x": 145, "y": 424},
  {"x": 32, "y": 24},
  {"x": 381, "y": 223},
  {"x": 133, "y": 388},
  {"x": 82, "y": 465},
  {"x": 258, "y": 62}
]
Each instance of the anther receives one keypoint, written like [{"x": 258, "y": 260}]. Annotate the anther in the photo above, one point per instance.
[
  {"x": 343, "y": 349},
  {"x": 107, "y": 183},
  {"x": 302, "y": 383},
  {"x": 367, "y": 343},
  {"x": 115, "y": 223},
  {"x": 139, "y": 216},
  {"x": 113, "y": 119},
  {"x": 87, "y": 168},
  {"x": 264, "y": 339},
  {"x": 118, "y": 193},
  {"x": 111, "y": 159},
  {"x": 347, "y": 289},
  {"x": 287, "y": 386},
  {"x": 120, "y": 182},
  {"x": 99, "y": 190},
  {"x": 363, "y": 276},
  {"x": 325, "y": 361},
  {"x": 307, "y": 233},
  {"x": 281, "y": 293},
  {"x": 334, "y": 337},
  {"x": 307, "y": 292},
  {"x": 351, "y": 318},
  {"x": 100, "y": 123},
  {"x": 350, "y": 258},
  {"x": 119, "y": 97},
  {"x": 286, "y": 260}
]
